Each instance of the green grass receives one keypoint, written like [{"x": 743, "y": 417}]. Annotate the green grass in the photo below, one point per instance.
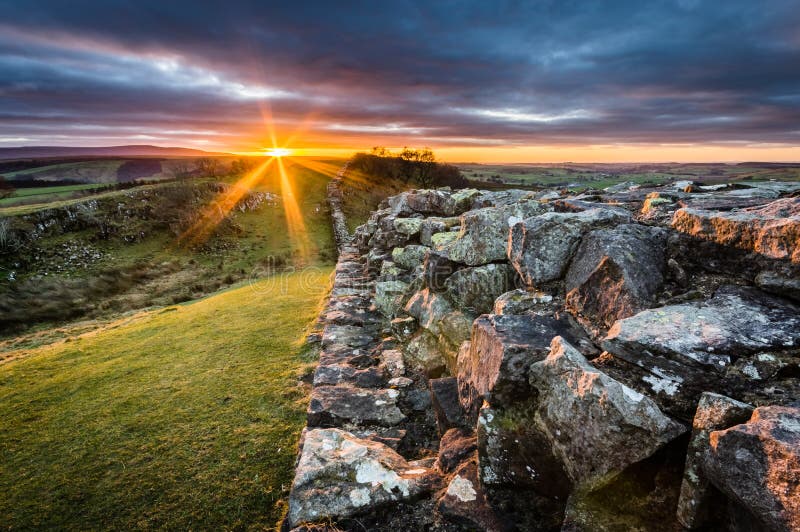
[
  {"x": 45, "y": 193},
  {"x": 182, "y": 418},
  {"x": 52, "y": 203}
]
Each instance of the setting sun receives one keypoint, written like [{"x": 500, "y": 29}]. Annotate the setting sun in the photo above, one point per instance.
[{"x": 278, "y": 152}]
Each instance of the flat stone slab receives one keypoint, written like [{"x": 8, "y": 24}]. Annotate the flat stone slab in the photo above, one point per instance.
[
  {"x": 336, "y": 405},
  {"x": 339, "y": 475},
  {"x": 711, "y": 334}
]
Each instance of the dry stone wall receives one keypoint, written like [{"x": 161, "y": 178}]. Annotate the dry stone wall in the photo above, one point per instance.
[{"x": 626, "y": 359}]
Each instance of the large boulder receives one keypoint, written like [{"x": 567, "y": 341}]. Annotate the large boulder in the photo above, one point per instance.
[
  {"x": 595, "y": 425},
  {"x": 757, "y": 464},
  {"x": 339, "y": 475},
  {"x": 616, "y": 273},
  {"x": 772, "y": 230},
  {"x": 494, "y": 365},
  {"x": 484, "y": 232},
  {"x": 541, "y": 247},
  {"x": 473, "y": 290},
  {"x": 714, "y": 412},
  {"x": 712, "y": 334}
]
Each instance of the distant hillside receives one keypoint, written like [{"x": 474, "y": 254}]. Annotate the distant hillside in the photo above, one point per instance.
[{"x": 134, "y": 150}]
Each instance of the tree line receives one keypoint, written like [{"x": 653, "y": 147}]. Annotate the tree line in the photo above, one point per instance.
[{"x": 417, "y": 166}]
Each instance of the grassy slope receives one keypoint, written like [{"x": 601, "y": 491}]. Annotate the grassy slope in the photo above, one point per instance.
[
  {"x": 181, "y": 418},
  {"x": 180, "y": 274},
  {"x": 45, "y": 194}
]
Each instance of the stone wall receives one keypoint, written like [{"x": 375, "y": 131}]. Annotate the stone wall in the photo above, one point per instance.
[{"x": 621, "y": 360}]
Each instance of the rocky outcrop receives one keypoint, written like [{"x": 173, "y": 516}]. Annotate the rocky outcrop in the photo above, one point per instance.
[
  {"x": 697, "y": 499},
  {"x": 534, "y": 361},
  {"x": 541, "y": 247},
  {"x": 595, "y": 425},
  {"x": 757, "y": 464},
  {"x": 772, "y": 230},
  {"x": 616, "y": 273}
]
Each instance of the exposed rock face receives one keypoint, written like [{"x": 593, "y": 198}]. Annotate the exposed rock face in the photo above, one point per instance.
[
  {"x": 616, "y": 273},
  {"x": 758, "y": 465},
  {"x": 335, "y": 405},
  {"x": 596, "y": 425},
  {"x": 515, "y": 417},
  {"x": 733, "y": 323},
  {"x": 772, "y": 230},
  {"x": 484, "y": 232},
  {"x": 714, "y": 412},
  {"x": 503, "y": 348},
  {"x": 465, "y": 502},
  {"x": 475, "y": 289},
  {"x": 541, "y": 247},
  {"x": 339, "y": 475}
]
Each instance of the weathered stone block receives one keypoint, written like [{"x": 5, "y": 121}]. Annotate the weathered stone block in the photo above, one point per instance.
[
  {"x": 758, "y": 465},
  {"x": 502, "y": 350},
  {"x": 339, "y": 475},
  {"x": 772, "y": 230},
  {"x": 714, "y": 412},
  {"x": 596, "y": 425},
  {"x": 541, "y": 247},
  {"x": 446, "y": 407},
  {"x": 615, "y": 273},
  {"x": 735, "y": 322},
  {"x": 484, "y": 232},
  {"x": 336, "y": 405},
  {"x": 473, "y": 290}
]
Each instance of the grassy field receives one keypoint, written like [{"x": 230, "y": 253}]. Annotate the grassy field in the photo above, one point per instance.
[
  {"x": 603, "y": 175},
  {"x": 183, "y": 418},
  {"x": 45, "y": 194}
]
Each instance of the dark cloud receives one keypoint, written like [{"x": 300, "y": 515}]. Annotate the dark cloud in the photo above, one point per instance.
[{"x": 454, "y": 72}]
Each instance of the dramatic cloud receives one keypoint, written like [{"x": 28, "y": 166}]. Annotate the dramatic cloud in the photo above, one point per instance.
[{"x": 351, "y": 74}]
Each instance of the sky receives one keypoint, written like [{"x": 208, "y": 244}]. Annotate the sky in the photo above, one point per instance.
[{"x": 533, "y": 81}]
